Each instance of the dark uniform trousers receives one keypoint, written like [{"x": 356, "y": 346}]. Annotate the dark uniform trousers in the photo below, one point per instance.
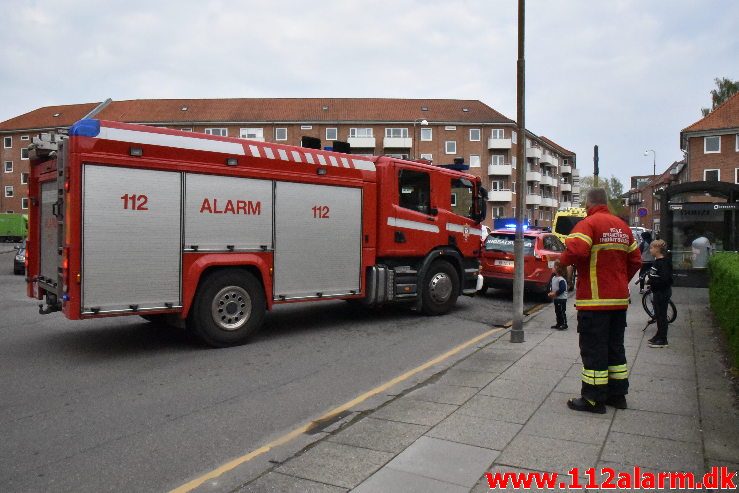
[{"x": 603, "y": 355}]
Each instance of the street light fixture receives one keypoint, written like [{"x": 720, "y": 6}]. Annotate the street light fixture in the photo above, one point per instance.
[
  {"x": 423, "y": 123},
  {"x": 654, "y": 160}
]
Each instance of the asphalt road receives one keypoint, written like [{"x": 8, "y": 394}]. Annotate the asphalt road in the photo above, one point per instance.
[{"x": 121, "y": 405}]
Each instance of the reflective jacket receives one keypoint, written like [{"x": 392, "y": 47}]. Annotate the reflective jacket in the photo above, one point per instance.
[{"x": 606, "y": 256}]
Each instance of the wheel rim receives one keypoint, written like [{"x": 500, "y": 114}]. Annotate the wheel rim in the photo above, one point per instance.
[
  {"x": 231, "y": 308},
  {"x": 440, "y": 287}
]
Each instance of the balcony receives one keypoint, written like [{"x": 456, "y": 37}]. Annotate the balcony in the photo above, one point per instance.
[
  {"x": 397, "y": 142},
  {"x": 634, "y": 201},
  {"x": 533, "y": 176},
  {"x": 533, "y": 199},
  {"x": 555, "y": 162},
  {"x": 549, "y": 202},
  {"x": 499, "y": 143},
  {"x": 575, "y": 188},
  {"x": 362, "y": 142},
  {"x": 548, "y": 180},
  {"x": 565, "y": 205},
  {"x": 499, "y": 170},
  {"x": 565, "y": 169},
  {"x": 500, "y": 196},
  {"x": 533, "y": 152},
  {"x": 565, "y": 187},
  {"x": 545, "y": 158}
]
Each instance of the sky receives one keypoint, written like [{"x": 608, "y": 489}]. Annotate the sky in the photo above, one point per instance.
[{"x": 626, "y": 75}]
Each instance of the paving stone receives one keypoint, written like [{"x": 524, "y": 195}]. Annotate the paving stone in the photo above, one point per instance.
[
  {"x": 274, "y": 482},
  {"x": 684, "y": 372},
  {"x": 547, "y": 454},
  {"x": 445, "y": 461},
  {"x": 550, "y": 362},
  {"x": 388, "y": 480},
  {"x": 660, "y": 385},
  {"x": 669, "y": 358},
  {"x": 530, "y": 391},
  {"x": 483, "y": 485},
  {"x": 415, "y": 411},
  {"x": 525, "y": 373},
  {"x": 504, "y": 354},
  {"x": 483, "y": 362},
  {"x": 672, "y": 403},
  {"x": 651, "y": 452},
  {"x": 669, "y": 426},
  {"x": 576, "y": 427},
  {"x": 336, "y": 464},
  {"x": 474, "y": 430},
  {"x": 721, "y": 444},
  {"x": 467, "y": 378},
  {"x": 444, "y": 394},
  {"x": 569, "y": 385},
  {"x": 608, "y": 476},
  {"x": 380, "y": 434},
  {"x": 503, "y": 409}
]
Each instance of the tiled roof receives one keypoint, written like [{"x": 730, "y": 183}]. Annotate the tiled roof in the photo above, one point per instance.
[
  {"x": 557, "y": 147},
  {"x": 726, "y": 115},
  {"x": 161, "y": 111}
]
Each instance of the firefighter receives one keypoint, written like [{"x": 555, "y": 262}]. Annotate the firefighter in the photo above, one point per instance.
[{"x": 606, "y": 256}]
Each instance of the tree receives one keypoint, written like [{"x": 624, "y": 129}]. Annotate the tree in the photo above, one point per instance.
[
  {"x": 614, "y": 190},
  {"x": 725, "y": 88}
]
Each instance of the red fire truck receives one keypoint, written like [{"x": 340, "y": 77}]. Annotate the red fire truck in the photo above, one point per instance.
[{"x": 210, "y": 232}]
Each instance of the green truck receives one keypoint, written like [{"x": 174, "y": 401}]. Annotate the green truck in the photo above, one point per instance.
[{"x": 13, "y": 227}]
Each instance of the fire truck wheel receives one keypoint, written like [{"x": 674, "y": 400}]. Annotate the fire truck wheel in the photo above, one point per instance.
[
  {"x": 228, "y": 308},
  {"x": 440, "y": 288}
]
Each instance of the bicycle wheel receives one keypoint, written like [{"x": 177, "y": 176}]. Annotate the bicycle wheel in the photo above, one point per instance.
[
  {"x": 646, "y": 302},
  {"x": 671, "y": 312}
]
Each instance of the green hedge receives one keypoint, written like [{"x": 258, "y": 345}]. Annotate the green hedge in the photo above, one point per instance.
[{"x": 724, "y": 292}]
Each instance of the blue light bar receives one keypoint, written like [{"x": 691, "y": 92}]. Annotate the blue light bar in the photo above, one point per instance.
[{"x": 85, "y": 128}]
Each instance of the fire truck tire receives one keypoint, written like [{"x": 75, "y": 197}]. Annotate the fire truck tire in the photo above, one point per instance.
[
  {"x": 228, "y": 308},
  {"x": 439, "y": 289}
]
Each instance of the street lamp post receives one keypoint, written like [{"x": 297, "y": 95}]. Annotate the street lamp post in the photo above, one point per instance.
[
  {"x": 654, "y": 160},
  {"x": 423, "y": 123}
]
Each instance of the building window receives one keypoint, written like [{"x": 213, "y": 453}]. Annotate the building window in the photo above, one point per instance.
[
  {"x": 712, "y": 144},
  {"x": 25, "y": 137},
  {"x": 711, "y": 175},
  {"x": 474, "y": 135},
  {"x": 513, "y": 162},
  {"x": 360, "y": 132},
  {"x": 306, "y": 127},
  {"x": 281, "y": 133},
  {"x": 7, "y": 142},
  {"x": 450, "y": 146},
  {"x": 737, "y": 143},
  {"x": 24, "y": 178},
  {"x": 454, "y": 199},
  {"x": 497, "y": 185},
  {"x": 497, "y": 159},
  {"x": 427, "y": 134},
  {"x": 450, "y": 127},
  {"x": 513, "y": 189},
  {"x": 24, "y": 203},
  {"x": 251, "y": 133},
  {"x": 498, "y": 211},
  {"x": 497, "y": 133},
  {"x": 396, "y": 133},
  {"x": 332, "y": 134},
  {"x": 565, "y": 161},
  {"x": 24, "y": 153},
  {"x": 9, "y": 191},
  {"x": 428, "y": 157},
  {"x": 186, "y": 129},
  {"x": 514, "y": 137},
  {"x": 474, "y": 161},
  {"x": 221, "y": 132},
  {"x": 398, "y": 156},
  {"x": 8, "y": 166},
  {"x": 736, "y": 176}
]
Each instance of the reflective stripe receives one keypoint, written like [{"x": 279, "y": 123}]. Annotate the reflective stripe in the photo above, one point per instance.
[
  {"x": 595, "y": 377},
  {"x": 618, "y": 372},
  {"x": 459, "y": 228},
  {"x": 593, "y": 274},
  {"x": 603, "y": 302},
  {"x": 404, "y": 223},
  {"x": 166, "y": 140},
  {"x": 581, "y": 236},
  {"x": 633, "y": 247},
  {"x": 611, "y": 246}
]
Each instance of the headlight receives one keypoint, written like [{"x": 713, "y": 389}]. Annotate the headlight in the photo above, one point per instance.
[{"x": 20, "y": 258}]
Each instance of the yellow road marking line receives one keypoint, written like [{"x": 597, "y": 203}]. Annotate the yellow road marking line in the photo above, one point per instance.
[{"x": 228, "y": 466}]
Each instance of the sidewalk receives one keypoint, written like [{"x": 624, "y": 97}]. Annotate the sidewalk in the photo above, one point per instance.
[{"x": 503, "y": 408}]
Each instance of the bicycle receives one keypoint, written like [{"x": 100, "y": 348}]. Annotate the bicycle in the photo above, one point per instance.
[{"x": 647, "y": 302}]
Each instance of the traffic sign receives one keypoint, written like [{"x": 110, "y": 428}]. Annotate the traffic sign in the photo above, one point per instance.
[{"x": 642, "y": 211}]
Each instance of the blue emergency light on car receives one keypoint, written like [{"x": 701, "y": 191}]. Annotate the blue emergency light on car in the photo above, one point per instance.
[{"x": 85, "y": 128}]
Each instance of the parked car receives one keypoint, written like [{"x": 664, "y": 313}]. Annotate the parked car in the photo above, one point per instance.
[
  {"x": 541, "y": 250},
  {"x": 19, "y": 262}
]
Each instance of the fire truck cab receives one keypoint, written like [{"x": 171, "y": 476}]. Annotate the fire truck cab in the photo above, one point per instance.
[{"x": 211, "y": 232}]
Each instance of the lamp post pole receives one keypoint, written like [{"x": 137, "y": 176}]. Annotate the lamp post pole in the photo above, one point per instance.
[
  {"x": 423, "y": 123},
  {"x": 654, "y": 160}
]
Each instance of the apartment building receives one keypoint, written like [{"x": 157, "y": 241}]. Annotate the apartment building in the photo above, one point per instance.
[
  {"x": 642, "y": 200},
  {"x": 436, "y": 130}
]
